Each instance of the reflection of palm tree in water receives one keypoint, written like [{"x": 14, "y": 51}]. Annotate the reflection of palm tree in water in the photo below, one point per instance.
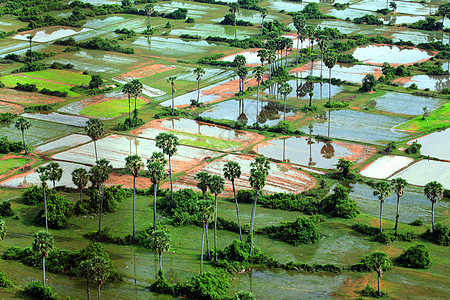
[
  {"x": 304, "y": 88},
  {"x": 270, "y": 112},
  {"x": 136, "y": 144},
  {"x": 310, "y": 141},
  {"x": 327, "y": 150},
  {"x": 321, "y": 88},
  {"x": 441, "y": 82},
  {"x": 129, "y": 138},
  {"x": 242, "y": 118}
]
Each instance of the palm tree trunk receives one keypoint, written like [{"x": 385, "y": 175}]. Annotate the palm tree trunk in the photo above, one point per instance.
[
  {"x": 88, "y": 289},
  {"x": 134, "y": 206},
  {"x": 43, "y": 268},
  {"x": 148, "y": 20},
  {"x": 203, "y": 243},
  {"x": 154, "y": 206},
  {"x": 160, "y": 261},
  {"x": 237, "y": 209},
  {"x": 381, "y": 217},
  {"x": 81, "y": 194},
  {"x": 129, "y": 108},
  {"x": 215, "y": 230},
  {"x": 98, "y": 291},
  {"x": 321, "y": 65},
  {"x": 257, "y": 112},
  {"x": 53, "y": 184},
  {"x": 284, "y": 113},
  {"x": 31, "y": 54},
  {"x": 252, "y": 221},
  {"x": 198, "y": 90},
  {"x": 173, "y": 101},
  {"x": 396, "y": 216},
  {"x": 24, "y": 145},
  {"x": 432, "y": 216},
  {"x": 329, "y": 88},
  {"x": 101, "y": 208},
  {"x": 379, "y": 287},
  {"x": 270, "y": 72},
  {"x": 298, "y": 40},
  {"x": 95, "y": 148},
  {"x": 262, "y": 29},
  {"x": 45, "y": 208},
  {"x": 208, "y": 251},
  {"x": 235, "y": 32},
  {"x": 301, "y": 47},
  {"x": 171, "y": 184},
  {"x": 135, "y": 108}
]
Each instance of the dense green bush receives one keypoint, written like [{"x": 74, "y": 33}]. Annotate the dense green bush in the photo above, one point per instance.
[
  {"x": 244, "y": 295},
  {"x": 6, "y": 210},
  {"x": 37, "y": 290},
  {"x": 7, "y": 146},
  {"x": 46, "y": 91},
  {"x": 60, "y": 66},
  {"x": 104, "y": 236},
  {"x": 229, "y": 20},
  {"x": 416, "y": 257},
  {"x": 414, "y": 148},
  {"x": 111, "y": 198},
  {"x": 59, "y": 210},
  {"x": 440, "y": 235},
  {"x": 369, "y": 291},
  {"x": 34, "y": 108},
  {"x": 34, "y": 195},
  {"x": 7, "y": 117},
  {"x": 4, "y": 282},
  {"x": 336, "y": 104},
  {"x": 417, "y": 222},
  {"x": 368, "y": 19},
  {"x": 178, "y": 14},
  {"x": 301, "y": 231},
  {"x": 340, "y": 204},
  {"x": 428, "y": 24},
  {"x": 26, "y": 87}
]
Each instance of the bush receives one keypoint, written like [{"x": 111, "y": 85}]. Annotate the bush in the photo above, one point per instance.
[
  {"x": 6, "y": 210},
  {"x": 27, "y": 87},
  {"x": 414, "y": 148},
  {"x": 4, "y": 282},
  {"x": 416, "y": 257},
  {"x": 368, "y": 83},
  {"x": 301, "y": 231},
  {"x": 59, "y": 210},
  {"x": 7, "y": 117},
  {"x": 244, "y": 295},
  {"x": 209, "y": 285},
  {"x": 53, "y": 93},
  {"x": 369, "y": 291},
  {"x": 105, "y": 236},
  {"x": 440, "y": 235},
  {"x": 417, "y": 222},
  {"x": 37, "y": 290},
  {"x": 368, "y": 19},
  {"x": 111, "y": 197},
  {"x": 340, "y": 204},
  {"x": 178, "y": 14},
  {"x": 34, "y": 195}
]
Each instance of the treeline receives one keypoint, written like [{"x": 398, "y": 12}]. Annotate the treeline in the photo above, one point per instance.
[{"x": 97, "y": 43}]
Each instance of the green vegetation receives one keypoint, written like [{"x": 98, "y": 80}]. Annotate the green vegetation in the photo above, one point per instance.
[{"x": 110, "y": 108}]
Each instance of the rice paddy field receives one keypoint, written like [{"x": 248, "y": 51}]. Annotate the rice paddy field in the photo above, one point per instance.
[{"x": 222, "y": 115}]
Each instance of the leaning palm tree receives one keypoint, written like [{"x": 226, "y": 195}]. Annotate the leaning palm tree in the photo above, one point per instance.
[
  {"x": 80, "y": 177},
  {"x": 159, "y": 242},
  {"x": 323, "y": 45},
  {"x": 23, "y": 124},
  {"x": 43, "y": 243},
  {"x": 43, "y": 176},
  {"x": 434, "y": 191},
  {"x": 264, "y": 11},
  {"x": 379, "y": 262},
  {"x": 259, "y": 72},
  {"x": 382, "y": 190},
  {"x": 100, "y": 173},
  {"x": 258, "y": 174},
  {"x": 398, "y": 185},
  {"x": 330, "y": 61},
  {"x": 168, "y": 142},
  {"x": 216, "y": 185},
  {"x": 205, "y": 209},
  {"x": 137, "y": 89},
  {"x": 199, "y": 71},
  {"x": 171, "y": 80},
  {"x": 203, "y": 180},
  {"x": 54, "y": 172},
  {"x": 231, "y": 171},
  {"x": 128, "y": 89},
  {"x": 156, "y": 173},
  {"x": 134, "y": 163},
  {"x": 234, "y": 9},
  {"x": 285, "y": 89},
  {"x": 101, "y": 270},
  {"x": 299, "y": 23},
  {"x": 94, "y": 129}
]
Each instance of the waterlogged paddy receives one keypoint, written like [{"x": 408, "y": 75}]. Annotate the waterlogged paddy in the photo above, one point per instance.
[
  {"x": 407, "y": 104},
  {"x": 312, "y": 152},
  {"x": 171, "y": 46},
  {"x": 374, "y": 54},
  {"x": 399, "y": 19},
  {"x": 58, "y": 118},
  {"x": 205, "y": 30},
  {"x": 348, "y": 72},
  {"x": 107, "y": 21},
  {"x": 385, "y": 166},
  {"x": 287, "y": 6},
  {"x": 348, "y": 13},
  {"x": 411, "y": 8},
  {"x": 50, "y": 34},
  {"x": 245, "y": 111},
  {"x": 432, "y": 82},
  {"x": 436, "y": 144},
  {"x": 194, "y": 10},
  {"x": 251, "y": 57},
  {"x": 301, "y": 89},
  {"x": 425, "y": 171},
  {"x": 63, "y": 143},
  {"x": 357, "y": 126}
]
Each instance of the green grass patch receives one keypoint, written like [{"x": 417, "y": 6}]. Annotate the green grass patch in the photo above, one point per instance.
[
  {"x": 62, "y": 76},
  {"x": 438, "y": 118},
  {"x": 12, "y": 80},
  {"x": 111, "y": 108},
  {"x": 206, "y": 141},
  {"x": 8, "y": 164}
]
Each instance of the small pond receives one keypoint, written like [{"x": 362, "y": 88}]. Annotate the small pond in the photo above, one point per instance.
[{"x": 302, "y": 88}]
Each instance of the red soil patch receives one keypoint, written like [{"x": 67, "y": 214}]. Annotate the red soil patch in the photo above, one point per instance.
[
  {"x": 146, "y": 71},
  {"x": 353, "y": 286},
  {"x": 126, "y": 180},
  {"x": 303, "y": 68},
  {"x": 24, "y": 167},
  {"x": 359, "y": 152},
  {"x": 11, "y": 108},
  {"x": 402, "y": 80},
  {"x": 11, "y": 95}
]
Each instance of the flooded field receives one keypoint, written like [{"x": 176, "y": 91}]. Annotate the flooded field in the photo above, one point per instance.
[
  {"x": 50, "y": 34},
  {"x": 58, "y": 118},
  {"x": 312, "y": 152},
  {"x": 403, "y": 7},
  {"x": 425, "y": 171},
  {"x": 64, "y": 143},
  {"x": 205, "y": 30},
  {"x": 432, "y": 82},
  {"x": 436, "y": 144},
  {"x": 376, "y": 54},
  {"x": 171, "y": 46},
  {"x": 407, "y": 104},
  {"x": 348, "y": 72},
  {"x": 251, "y": 57},
  {"x": 302, "y": 88},
  {"x": 385, "y": 166}
]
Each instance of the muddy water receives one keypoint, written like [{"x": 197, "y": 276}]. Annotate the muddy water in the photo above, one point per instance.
[
  {"x": 391, "y": 54},
  {"x": 436, "y": 144},
  {"x": 404, "y": 103},
  {"x": 434, "y": 83}
]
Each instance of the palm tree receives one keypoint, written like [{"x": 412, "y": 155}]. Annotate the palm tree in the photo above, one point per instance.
[
  {"x": 80, "y": 177},
  {"x": 288, "y": 44},
  {"x": 262, "y": 54},
  {"x": 382, "y": 190},
  {"x": 137, "y": 89},
  {"x": 168, "y": 142},
  {"x": 101, "y": 269},
  {"x": 156, "y": 173},
  {"x": 259, "y": 72},
  {"x": 398, "y": 185},
  {"x": 149, "y": 9},
  {"x": 434, "y": 191},
  {"x": 199, "y": 71},
  {"x": 234, "y": 9},
  {"x": 264, "y": 12},
  {"x": 258, "y": 174},
  {"x": 330, "y": 61},
  {"x": 43, "y": 176},
  {"x": 299, "y": 23},
  {"x": 323, "y": 45},
  {"x": 54, "y": 172},
  {"x": 444, "y": 11},
  {"x": 379, "y": 262},
  {"x": 128, "y": 89},
  {"x": 134, "y": 163},
  {"x": 231, "y": 171},
  {"x": 216, "y": 185},
  {"x": 285, "y": 89},
  {"x": 203, "y": 179},
  {"x": 270, "y": 60},
  {"x": 310, "y": 31},
  {"x": 23, "y": 124},
  {"x": 94, "y": 129},
  {"x": 29, "y": 38},
  {"x": 205, "y": 209},
  {"x": 171, "y": 80},
  {"x": 159, "y": 243},
  {"x": 100, "y": 173},
  {"x": 43, "y": 243},
  {"x": 242, "y": 73},
  {"x": 85, "y": 270},
  {"x": 311, "y": 95}
]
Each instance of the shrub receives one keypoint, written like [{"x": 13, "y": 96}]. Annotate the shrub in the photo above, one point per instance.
[
  {"x": 335, "y": 104},
  {"x": 37, "y": 290},
  {"x": 417, "y": 222},
  {"x": 6, "y": 210},
  {"x": 340, "y": 204},
  {"x": 414, "y": 148},
  {"x": 34, "y": 195},
  {"x": 440, "y": 235},
  {"x": 369, "y": 291},
  {"x": 104, "y": 236},
  {"x": 7, "y": 117},
  {"x": 96, "y": 81},
  {"x": 368, "y": 83},
  {"x": 111, "y": 197},
  {"x": 301, "y": 231},
  {"x": 4, "y": 282},
  {"x": 27, "y": 87},
  {"x": 59, "y": 210},
  {"x": 244, "y": 295},
  {"x": 416, "y": 257},
  {"x": 209, "y": 285},
  {"x": 178, "y": 14}
]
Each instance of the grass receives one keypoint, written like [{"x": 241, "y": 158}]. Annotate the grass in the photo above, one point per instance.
[
  {"x": 61, "y": 76},
  {"x": 12, "y": 163},
  {"x": 111, "y": 108},
  {"x": 206, "y": 141},
  {"x": 438, "y": 118},
  {"x": 12, "y": 80}
]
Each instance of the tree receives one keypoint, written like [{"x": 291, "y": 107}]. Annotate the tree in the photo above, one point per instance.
[
  {"x": 98, "y": 174},
  {"x": 101, "y": 269},
  {"x": 285, "y": 89},
  {"x": 239, "y": 61},
  {"x": 271, "y": 57},
  {"x": 311, "y": 95},
  {"x": 379, "y": 262},
  {"x": 234, "y": 9},
  {"x": 345, "y": 166},
  {"x": 94, "y": 129},
  {"x": 262, "y": 54},
  {"x": 264, "y": 12},
  {"x": 259, "y": 72},
  {"x": 393, "y": 5},
  {"x": 149, "y": 9},
  {"x": 43, "y": 243},
  {"x": 199, "y": 71},
  {"x": 323, "y": 45},
  {"x": 330, "y": 61},
  {"x": 203, "y": 179},
  {"x": 242, "y": 72},
  {"x": 159, "y": 243},
  {"x": 54, "y": 172},
  {"x": 134, "y": 163},
  {"x": 398, "y": 185},
  {"x": 310, "y": 31},
  {"x": 168, "y": 142},
  {"x": 23, "y": 124},
  {"x": 425, "y": 113},
  {"x": 29, "y": 38},
  {"x": 444, "y": 11},
  {"x": 85, "y": 269},
  {"x": 216, "y": 185},
  {"x": 205, "y": 210},
  {"x": 288, "y": 44},
  {"x": 156, "y": 173},
  {"x": 137, "y": 89},
  {"x": 434, "y": 191},
  {"x": 171, "y": 80},
  {"x": 128, "y": 89},
  {"x": 80, "y": 177},
  {"x": 299, "y": 24},
  {"x": 2, "y": 230},
  {"x": 96, "y": 81},
  {"x": 369, "y": 82},
  {"x": 258, "y": 173},
  {"x": 43, "y": 176},
  {"x": 382, "y": 190},
  {"x": 231, "y": 171}
]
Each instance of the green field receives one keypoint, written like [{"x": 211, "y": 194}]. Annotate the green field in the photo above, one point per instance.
[
  {"x": 12, "y": 80},
  {"x": 111, "y": 108},
  {"x": 62, "y": 76},
  {"x": 12, "y": 163},
  {"x": 437, "y": 119}
]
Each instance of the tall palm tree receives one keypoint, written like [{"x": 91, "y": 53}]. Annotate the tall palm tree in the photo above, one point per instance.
[
  {"x": 288, "y": 44},
  {"x": 259, "y": 72},
  {"x": 203, "y": 180},
  {"x": 231, "y": 171},
  {"x": 101, "y": 270},
  {"x": 262, "y": 54},
  {"x": 330, "y": 61},
  {"x": 199, "y": 71},
  {"x": 156, "y": 173},
  {"x": 234, "y": 9},
  {"x": 434, "y": 191},
  {"x": 29, "y": 38},
  {"x": 171, "y": 80},
  {"x": 242, "y": 73},
  {"x": 94, "y": 129},
  {"x": 310, "y": 31},
  {"x": 271, "y": 57},
  {"x": 323, "y": 45},
  {"x": 54, "y": 172},
  {"x": 137, "y": 89},
  {"x": 160, "y": 244},
  {"x": 43, "y": 243},
  {"x": 258, "y": 173},
  {"x": 23, "y": 124},
  {"x": 85, "y": 270},
  {"x": 205, "y": 209},
  {"x": 398, "y": 185},
  {"x": 299, "y": 24},
  {"x": 239, "y": 62},
  {"x": 100, "y": 173},
  {"x": 149, "y": 9},
  {"x": 285, "y": 89},
  {"x": 128, "y": 89},
  {"x": 216, "y": 185},
  {"x": 168, "y": 142},
  {"x": 382, "y": 190},
  {"x": 379, "y": 262},
  {"x": 264, "y": 12},
  {"x": 43, "y": 176},
  {"x": 134, "y": 163},
  {"x": 80, "y": 177}
]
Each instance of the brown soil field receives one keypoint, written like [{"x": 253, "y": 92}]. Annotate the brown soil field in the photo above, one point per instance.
[
  {"x": 11, "y": 95},
  {"x": 13, "y": 108},
  {"x": 146, "y": 71}
]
